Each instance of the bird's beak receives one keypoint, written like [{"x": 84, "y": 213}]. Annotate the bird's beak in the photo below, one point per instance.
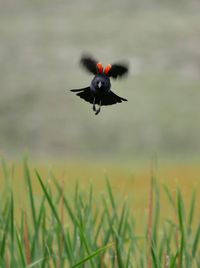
[{"x": 99, "y": 84}]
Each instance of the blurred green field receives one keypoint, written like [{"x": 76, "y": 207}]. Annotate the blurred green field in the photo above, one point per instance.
[
  {"x": 68, "y": 215},
  {"x": 129, "y": 181}
]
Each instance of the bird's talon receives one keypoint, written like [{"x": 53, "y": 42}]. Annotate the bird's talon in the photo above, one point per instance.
[
  {"x": 99, "y": 109},
  {"x": 97, "y": 112},
  {"x": 94, "y": 107}
]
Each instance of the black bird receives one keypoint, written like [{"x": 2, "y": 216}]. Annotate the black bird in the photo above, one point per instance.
[{"x": 99, "y": 92}]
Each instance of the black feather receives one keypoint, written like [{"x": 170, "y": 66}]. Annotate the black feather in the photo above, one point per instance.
[
  {"x": 89, "y": 63},
  {"x": 118, "y": 70},
  {"x": 86, "y": 95},
  {"x": 106, "y": 99},
  {"x": 111, "y": 98},
  {"x": 78, "y": 90}
]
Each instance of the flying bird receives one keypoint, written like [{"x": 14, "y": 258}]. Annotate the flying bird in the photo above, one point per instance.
[{"x": 99, "y": 92}]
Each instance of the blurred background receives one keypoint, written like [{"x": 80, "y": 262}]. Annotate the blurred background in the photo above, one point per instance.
[{"x": 41, "y": 43}]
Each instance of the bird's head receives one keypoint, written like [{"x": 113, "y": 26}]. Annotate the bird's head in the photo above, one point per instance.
[{"x": 101, "y": 82}]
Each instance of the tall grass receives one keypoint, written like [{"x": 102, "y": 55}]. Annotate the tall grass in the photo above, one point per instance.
[{"x": 58, "y": 230}]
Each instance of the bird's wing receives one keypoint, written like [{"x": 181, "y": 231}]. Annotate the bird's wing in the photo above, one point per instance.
[
  {"x": 84, "y": 93},
  {"x": 89, "y": 63},
  {"x": 111, "y": 98},
  {"x": 79, "y": 90},
  {"x": 116, "y": 70}
]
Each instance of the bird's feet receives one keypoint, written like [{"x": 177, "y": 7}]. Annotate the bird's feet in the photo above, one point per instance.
[{"x": 97, "y": 111}]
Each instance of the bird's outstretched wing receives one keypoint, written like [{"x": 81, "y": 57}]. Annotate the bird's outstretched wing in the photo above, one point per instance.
[
  {"x": 84, "y": 93},
  {"x": 80, "y": 89},
  {"x": 108, "y": 99},
  {"x": 116, "y": 70},
  {"x": 89, "y": 63},
  {"x": 111, "y": 98}
]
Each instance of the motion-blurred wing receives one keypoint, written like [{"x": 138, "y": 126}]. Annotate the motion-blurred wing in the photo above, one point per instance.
[
  {"x": 90, "y": 64},
  {"x": 111, "y": 98},
  {"x": 117, "y": 70}
]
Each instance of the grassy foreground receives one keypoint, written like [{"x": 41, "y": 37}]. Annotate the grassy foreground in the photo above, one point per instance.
[{"x": 81, "y": 228}]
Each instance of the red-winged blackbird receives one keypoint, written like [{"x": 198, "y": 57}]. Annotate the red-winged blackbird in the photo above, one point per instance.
[{"x": 99, "y": 92}]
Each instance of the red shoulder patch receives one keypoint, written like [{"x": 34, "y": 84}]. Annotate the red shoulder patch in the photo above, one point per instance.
[
  {"x": 107, "y": 69},
  {"x": 99, "y": 67}
]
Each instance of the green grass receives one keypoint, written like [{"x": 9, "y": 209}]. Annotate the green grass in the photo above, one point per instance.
[{"x": 83, "y": 229}]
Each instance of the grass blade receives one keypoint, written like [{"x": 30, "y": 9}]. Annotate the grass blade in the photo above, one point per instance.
[
  {"x": 19, "y": 243},
  {"x": 30, "y": 191},
  {"x": 54, "y": 211},
  {"x": 191, "y": 211},
  {"x": 181, "y": 216},
  {"x": 27, "y": 241},
  {"x": 196, "y": 242},
  {"x": 92, "y": 255}
]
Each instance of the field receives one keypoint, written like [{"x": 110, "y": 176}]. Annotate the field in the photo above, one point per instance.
[
  {"x": 66, "y": 215},
  {"x": 41, "y": 45},
  {"x": 90, "y": 195}
]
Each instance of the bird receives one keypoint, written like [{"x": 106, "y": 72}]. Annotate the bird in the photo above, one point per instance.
[{"x": 99, "y": 92}]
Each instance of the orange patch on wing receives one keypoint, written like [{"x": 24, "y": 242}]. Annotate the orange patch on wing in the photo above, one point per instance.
[
  {"x": 107, "y": 69},
  {"x": 99, "y": 67}
]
